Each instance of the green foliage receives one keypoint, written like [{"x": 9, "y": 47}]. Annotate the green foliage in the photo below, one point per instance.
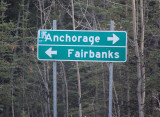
[{"x": 23, "y": 75}]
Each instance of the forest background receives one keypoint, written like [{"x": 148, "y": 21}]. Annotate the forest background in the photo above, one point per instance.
[{"x": 26, "y": 83}]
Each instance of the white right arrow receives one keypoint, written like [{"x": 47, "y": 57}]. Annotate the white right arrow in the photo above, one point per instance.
[
  {"x": 114, "y": 39},
  {"x": 49, "y": 52}
]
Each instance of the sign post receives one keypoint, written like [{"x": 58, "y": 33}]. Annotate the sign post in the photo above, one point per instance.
[
  {"x": 110, "y": 79},
  {"x": 54, "y": 79}
]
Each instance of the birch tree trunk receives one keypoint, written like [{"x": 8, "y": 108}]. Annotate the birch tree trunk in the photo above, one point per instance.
[
  {"x": 142, "y": 55},
  {"x": 77, "y": 67},
  {"x": 127, "y": 75},
  {"x": 79, "y": 90},
  {"x": 116, "y": 102},
  {"x": 66, "y": 90},
  {"x": 43, "y": 18},
  {"x": 104, "y": 91},
  {"x": 138, "y": 57}
]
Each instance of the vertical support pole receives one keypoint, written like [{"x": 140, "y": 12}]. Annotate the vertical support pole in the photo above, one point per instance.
[
  {"x": 110, "y": 78},
  {"x": 54, "y": 79}
]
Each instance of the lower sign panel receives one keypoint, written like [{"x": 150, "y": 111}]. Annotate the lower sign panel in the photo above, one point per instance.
[{"x": 82, "y": 53}]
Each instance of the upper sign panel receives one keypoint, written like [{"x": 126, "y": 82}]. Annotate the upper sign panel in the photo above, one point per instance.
[{"x": 82, "y": 38}]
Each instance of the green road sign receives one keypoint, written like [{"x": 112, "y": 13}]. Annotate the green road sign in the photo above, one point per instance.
[
  {"x": 82, "y": 53},
  {"x": 107, "y": 46}
]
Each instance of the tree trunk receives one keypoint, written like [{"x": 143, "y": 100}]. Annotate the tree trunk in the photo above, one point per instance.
[
  {"x": 128, "y": 93},
  {"x": 23, "y": 51},
  {"x": 48, "y": 100},
  {"x": 79, "y": 90},
  {"x": 73, "y": 15},
  {"x": 77, "y": 67},
  {"x": 137, "y": 15},
  {"x": 64, "y": 97},
  {"x": 66, "y": 87},
  {"x": 127, "y": 74},
  {"x": 47, "y": 111},
  {"x": 96, "y": 97},
  {"x": 41, "y": 13},
  {"x": 139, "y": 86},
  {"x": 104, "y": 92},
  {"x": 142, "y": 55},
  {"x": 12, "y": 91},
  {"x": 47, "y": 103},
  {"x": 45, "y": 94}
]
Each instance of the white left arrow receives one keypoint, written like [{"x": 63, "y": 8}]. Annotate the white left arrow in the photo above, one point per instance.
[
  {"x": 114, "y": 39},
  {"x": 49, "y": 52}
]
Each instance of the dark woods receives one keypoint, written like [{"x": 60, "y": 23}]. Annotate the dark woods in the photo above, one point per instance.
[{"x": 83, "y": 87}]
